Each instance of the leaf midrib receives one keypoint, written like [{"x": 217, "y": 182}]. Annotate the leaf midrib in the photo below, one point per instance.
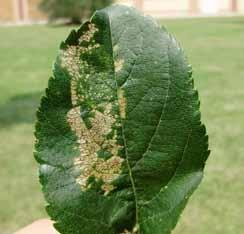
[
  {"x": 122, "y": 126},
  {"x": 123, "y": 135},
  {"x": 154, "y": 133}
]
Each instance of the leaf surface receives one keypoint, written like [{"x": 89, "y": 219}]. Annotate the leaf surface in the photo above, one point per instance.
[{"x": 119, "y": 139}]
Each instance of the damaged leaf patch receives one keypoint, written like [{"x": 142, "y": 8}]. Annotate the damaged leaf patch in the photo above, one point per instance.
[
  {"x": 91, "y": 141},
  {"x": 120, "y": 142}
]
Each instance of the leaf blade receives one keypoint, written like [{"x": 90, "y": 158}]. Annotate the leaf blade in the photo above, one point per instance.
[{"x": 126, "y": 61}]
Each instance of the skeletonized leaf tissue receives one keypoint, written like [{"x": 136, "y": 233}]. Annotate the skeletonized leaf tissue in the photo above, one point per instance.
[{"x": 120, "y": 142}]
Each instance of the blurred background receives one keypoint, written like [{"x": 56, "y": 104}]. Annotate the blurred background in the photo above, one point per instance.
[
  {"x": 29, "y": 11},
  {"x": 212, "y": 34}
]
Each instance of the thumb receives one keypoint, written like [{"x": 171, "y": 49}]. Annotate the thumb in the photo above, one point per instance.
[{"x": 43, "y": 226}]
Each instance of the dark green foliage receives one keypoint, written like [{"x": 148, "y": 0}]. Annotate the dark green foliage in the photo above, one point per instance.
[
  {"x": 119, "y": 136},
  {"x": 75, "y": 10}
]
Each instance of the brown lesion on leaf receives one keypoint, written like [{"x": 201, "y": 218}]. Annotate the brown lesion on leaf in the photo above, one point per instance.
[
  {"x": 93, "y": 139},
  {"x": 89, "y": 34},
  {"x": 115, "y": 48},
  {"x": 118, "y": 65},
  {"x": 122, "y": 103},
  {"x": 126, "y": 232},
  {"x": 90, "y": 142},
  {"x": 129, "y": 232},
  {"x": 70, "y": 60}
]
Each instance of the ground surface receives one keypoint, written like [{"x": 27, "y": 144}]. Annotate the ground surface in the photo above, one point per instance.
[{"x": 216, "y": 50}]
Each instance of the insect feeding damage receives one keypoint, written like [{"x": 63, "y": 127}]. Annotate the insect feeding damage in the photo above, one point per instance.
[
  {"x": 118, "y": 65},
  {"x": 126, "y": 232},
  {"x": 93, "y": 139},
  {"x": 122, "y": 103},
  {"x": 90, "y": 142}
]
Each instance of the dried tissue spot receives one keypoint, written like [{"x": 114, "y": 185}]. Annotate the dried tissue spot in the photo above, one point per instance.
[
  {"x": 122, "y": 103},
  {"x": 115, "y": 48},
  {"x": 88, "y": 35},
  {"x": 129, "y": 232},
  {"x": 93, "y": 139},
  {"x": 126, "y": 232},
  {"x": 70, "y": 60},
  {"x": 118, "y": 65},
  {"x": 90, "y": 142}
]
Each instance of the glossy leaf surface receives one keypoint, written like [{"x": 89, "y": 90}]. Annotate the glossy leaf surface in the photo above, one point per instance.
[{"x": 119, "y": 139}]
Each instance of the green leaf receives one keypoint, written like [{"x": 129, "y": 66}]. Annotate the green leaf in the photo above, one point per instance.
[{"x": 119, "y": 139}]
